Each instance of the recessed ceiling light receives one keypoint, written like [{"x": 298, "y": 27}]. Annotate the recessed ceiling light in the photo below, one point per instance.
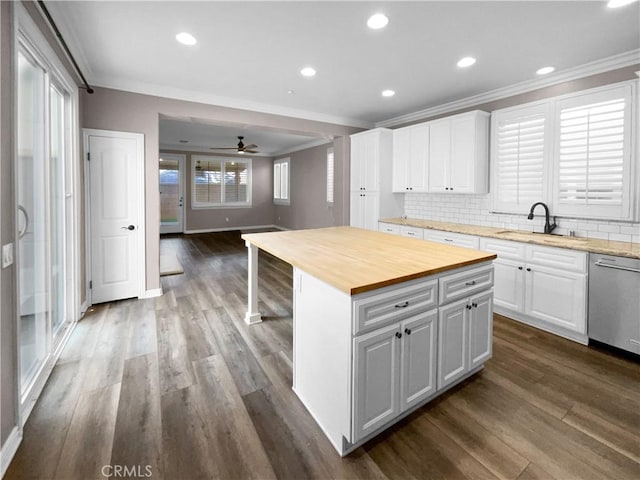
[
  {"x": 545, "y": 70},
  {"x": 308, "y": 71},
  {"x": 388, "y": 93},
  {"x": 291, "y": 92},
  {"x": 619, "y": 3},
  {"x": 466, "y": 62},
  {"x": 186, "y": 38},
  {"x": 377, "y": 21}
]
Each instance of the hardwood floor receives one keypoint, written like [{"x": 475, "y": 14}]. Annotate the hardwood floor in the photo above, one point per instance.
[{"x": 179, "y": 387}]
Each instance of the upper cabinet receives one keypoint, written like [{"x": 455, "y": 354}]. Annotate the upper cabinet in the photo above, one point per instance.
[
  {"x": 458, "y": 153},
  {"x": 411, "y": 158}
]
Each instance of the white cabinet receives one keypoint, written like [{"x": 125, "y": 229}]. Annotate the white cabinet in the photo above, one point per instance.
[
  {"x": 371, "y": 197},
  {"x": 458, "y": 153},
  {"x": 465, "y": 334},
  {"x": 364, "y": 210},
  {"x": 448, "y": 238},
  {"x": 543, "y": 286},
  {"x": 389, "y": 228},
  {"x": 411, "y": 158},
  {"x": 394, "y": 369}
]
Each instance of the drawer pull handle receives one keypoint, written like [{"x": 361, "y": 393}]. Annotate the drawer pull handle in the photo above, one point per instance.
[
  {"x": 407, "y": 331},
  {"x": 448, "y": 240},
  {"x": 472, "y": 282},
  {"x": 402, "y": 305},
  {"x": 398, "y": 335}
]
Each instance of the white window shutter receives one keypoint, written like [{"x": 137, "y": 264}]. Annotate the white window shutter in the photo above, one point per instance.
[
  {"x": 519, "y": 166},
  {"x": 330, "y": 177},
  {"x": 593, "y": 154}
]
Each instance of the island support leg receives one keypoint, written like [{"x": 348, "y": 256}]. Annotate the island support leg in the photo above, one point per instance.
[{"x": 253, "y": 315}]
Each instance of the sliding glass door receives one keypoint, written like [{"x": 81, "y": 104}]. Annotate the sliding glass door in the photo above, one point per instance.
[{"x": 44, "y": 255}]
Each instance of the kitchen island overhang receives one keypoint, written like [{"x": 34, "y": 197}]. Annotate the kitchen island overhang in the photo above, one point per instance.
[{"x": 382, "y": 324}]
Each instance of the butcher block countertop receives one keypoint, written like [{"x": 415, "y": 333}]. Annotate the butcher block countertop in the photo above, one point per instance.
[
  {"x": 607, "y": 247},
  {"x": 354, "y": 260}
]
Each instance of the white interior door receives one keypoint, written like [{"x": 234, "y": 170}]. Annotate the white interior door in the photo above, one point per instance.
[
  {"x": 116, "y": 186},
  {"x": 171, "y": 193}
]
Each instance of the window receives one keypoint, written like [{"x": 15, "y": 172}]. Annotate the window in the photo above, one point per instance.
[
  {"x": 593, "y": 150},
  {"x": 281, "y": 182},
  {"x": 330, "y": 178},
  {"x": 571, "y": 152},
  {"x": 221, "y": 182},
  {"x": 519, "y": 158}
]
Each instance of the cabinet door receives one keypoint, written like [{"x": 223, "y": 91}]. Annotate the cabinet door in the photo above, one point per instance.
[
  {"x": 453, "y": 342},
  {"x": 370, "y": 213},
  {"x": 418, "y": 165},
  {"x": 370, "y": 162},
  {"x": 356, "y": 210},
  {"x": 439, "y": 155},
  {"x": 358, "y": 153},
  {"x": 509, "y": 284},
  {"x": 557, "y": 297},
  {"x": 376, "y": 380},
  {"x": 401, "y": 159},
  {"x": 480, "y": 329},
  {"x": 418, "y": 353},
  {"x": 463, "y": 155}
]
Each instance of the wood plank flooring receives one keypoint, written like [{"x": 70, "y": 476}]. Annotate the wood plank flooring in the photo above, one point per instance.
[{"x": 179, "y": 387}]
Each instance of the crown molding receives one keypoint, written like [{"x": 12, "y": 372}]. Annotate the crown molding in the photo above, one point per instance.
[
  {"x": 599, "y": 66},
  {"x": 164, "y": 91}
]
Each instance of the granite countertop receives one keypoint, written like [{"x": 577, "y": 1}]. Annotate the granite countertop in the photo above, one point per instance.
[
  {"x": 607, "y": 247},
  {"x": 355, "y": 260}
]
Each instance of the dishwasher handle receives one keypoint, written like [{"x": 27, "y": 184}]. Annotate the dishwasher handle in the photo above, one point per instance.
[{"x": 617, "y": 267}]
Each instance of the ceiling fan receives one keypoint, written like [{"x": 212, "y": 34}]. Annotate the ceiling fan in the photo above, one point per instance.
[{"x": 240, "y": 148}]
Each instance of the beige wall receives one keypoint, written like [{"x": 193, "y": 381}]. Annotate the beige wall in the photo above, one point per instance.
[
  {"x": 131, "y": 112},
  {"x": 308, "y": 207},
  {"x": 260, "y": 212}
]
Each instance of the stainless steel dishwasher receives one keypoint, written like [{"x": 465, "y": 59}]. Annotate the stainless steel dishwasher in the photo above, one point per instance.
[{"x": 614, "y": 301}]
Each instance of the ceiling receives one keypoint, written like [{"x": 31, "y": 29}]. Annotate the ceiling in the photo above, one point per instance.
[{"x": 249, "y": 54}]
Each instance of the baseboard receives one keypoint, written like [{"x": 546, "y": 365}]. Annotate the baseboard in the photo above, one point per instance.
[
  {"x": 156, "y": 292},
  {"x": 230, "y": 229},
  {"x": 9, "y": 449}
]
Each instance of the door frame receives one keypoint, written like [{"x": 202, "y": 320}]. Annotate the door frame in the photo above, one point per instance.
[
  {"x": 140, "y": 205},
  {"x": 182, "y": 160}
]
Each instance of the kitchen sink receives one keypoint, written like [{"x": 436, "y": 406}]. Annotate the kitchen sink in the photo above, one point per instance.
[{"x": 519, "y": 233}]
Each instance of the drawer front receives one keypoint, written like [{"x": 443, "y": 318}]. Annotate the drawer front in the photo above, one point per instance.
[
  {"x": 459, "y": 285},
  {"x": 504, "y": 248},
  {"x": 411, "y": 232},
  {"x": 448, "y": 238},
  {"x": 568, "y": 260},
  {"x": 389, "y": 228},
  {"x": 393, "y": 305}
]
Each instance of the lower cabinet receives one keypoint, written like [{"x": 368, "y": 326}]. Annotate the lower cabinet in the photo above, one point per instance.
[
  {"x": 394, "y": 369},
  {"x": 364, "y": 210},
  {"x": 464, "y": 336}
]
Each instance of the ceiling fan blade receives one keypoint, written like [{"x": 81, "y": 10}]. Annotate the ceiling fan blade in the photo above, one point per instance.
[
  {"x": 248, "y": 147},
  {"x": 223, "y": 148},
  {"x": 250, "y": 151}
]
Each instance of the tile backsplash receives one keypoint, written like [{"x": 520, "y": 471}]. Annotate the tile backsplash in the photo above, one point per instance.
[{"x": 476, "y": 210}]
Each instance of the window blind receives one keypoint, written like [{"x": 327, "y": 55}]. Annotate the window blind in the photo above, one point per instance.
[
  {"x": 520, "y": 173},
  {"x": 281, "y": 181},
  {"x": 591, "y": 154},
  {"x": 330, "y": 180},
  {"x": 220, "y": 181}
]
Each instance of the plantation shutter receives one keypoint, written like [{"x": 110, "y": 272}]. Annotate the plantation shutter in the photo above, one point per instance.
[
  {"x": 330, "y": 180},
  {"x": 593, "y": 154},
  {"x": 519, "y": 167}
]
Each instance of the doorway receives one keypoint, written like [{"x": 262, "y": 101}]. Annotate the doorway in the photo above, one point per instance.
[{"x": 171, "y": 192}]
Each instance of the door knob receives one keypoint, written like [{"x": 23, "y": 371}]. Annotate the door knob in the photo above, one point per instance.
[{"x": 130, "y": 227}]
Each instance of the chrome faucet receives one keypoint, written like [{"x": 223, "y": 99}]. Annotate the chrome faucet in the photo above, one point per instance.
[{"x": 547, "y": 227}]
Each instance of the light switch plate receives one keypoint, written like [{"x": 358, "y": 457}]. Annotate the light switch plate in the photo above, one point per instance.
[{"x": 7, "y": 255}]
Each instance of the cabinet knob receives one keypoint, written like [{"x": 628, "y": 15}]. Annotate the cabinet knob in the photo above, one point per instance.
[
  {"x": 398, "y": 335},
  {"x": 446, "y": 188},
  {"x": 451, "y": 188},
  {"x": 528, "y": 269},
  {"x": 468, "y": 307},
  {"x": 519, "y": 268},
  {"x": 407, "y": 331},
  {"x": 475, "y": 305}
]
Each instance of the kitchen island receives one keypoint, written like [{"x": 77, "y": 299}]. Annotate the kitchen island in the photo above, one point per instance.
[{"x": 381, "y": 324}]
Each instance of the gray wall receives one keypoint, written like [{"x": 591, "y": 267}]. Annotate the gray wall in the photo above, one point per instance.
[
  {"x": 260, "y": 212},
  {"x": 308, "y": 206},
  {"x": 131, "y": 112},
  {"x": 8, "y": 347}
]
